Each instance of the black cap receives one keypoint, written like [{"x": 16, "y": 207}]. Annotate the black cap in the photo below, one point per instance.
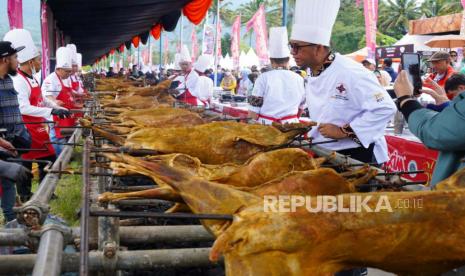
[{"x": 6, "y": 49}]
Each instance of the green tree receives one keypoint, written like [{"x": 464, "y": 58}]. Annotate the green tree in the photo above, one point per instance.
[
  {"x": 348, "y": 29},
  {"x": 381, "y": 40},
  {"x": 394, "y": 16},
  {"x": 227, "y": 15},
  {"x": 226, "y": 44},
  {"x": 431, "y": 8}
]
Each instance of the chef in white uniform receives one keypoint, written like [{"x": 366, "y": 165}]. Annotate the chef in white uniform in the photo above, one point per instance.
[
  {"x": 278, "y": 94},
  {"x": 348, "y": 103},
  {"x": 24, "y": 82},
  {"x": 203, "y": 90},
  {"x": 187, "y": 85}
]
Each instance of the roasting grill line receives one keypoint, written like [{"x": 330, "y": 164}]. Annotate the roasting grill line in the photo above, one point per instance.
[{"x": 131, "y": 214}]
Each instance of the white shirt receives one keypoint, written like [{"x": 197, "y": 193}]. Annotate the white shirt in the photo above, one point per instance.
[
  {"x": 283, "y": 94},
  {"x": 203, "y": 89},
  {"x": 188, "y": 82},
  {"x": 345, "y": 93},
  {"x": 24, "y": 93},
  {"x": 52, "y": 85}
]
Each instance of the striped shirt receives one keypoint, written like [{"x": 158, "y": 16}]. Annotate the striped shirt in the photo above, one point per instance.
[{"x": 10, "y": 115}]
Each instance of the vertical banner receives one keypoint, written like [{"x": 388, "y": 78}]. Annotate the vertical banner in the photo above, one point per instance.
[
  {"x": 218, "y": 38},
  {"x": 236, "y": 40},
  {"x": 258, "y": 22},
  {"x": 15, "y": 14},
  {"x": 370, "y": 10},
  {"x": 45, "y": 46},
  {"x": 195, "y": 45},
  {"x": 165, "y": 50},
  {"x": 208, "y": 43}
]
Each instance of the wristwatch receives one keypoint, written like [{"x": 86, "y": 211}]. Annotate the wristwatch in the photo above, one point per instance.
[
  {"x": 349, "y": 132},
  {"x": 403, "y": 98}
]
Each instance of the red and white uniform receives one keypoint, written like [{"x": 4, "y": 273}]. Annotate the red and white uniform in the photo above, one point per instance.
[
  {"x": 34, "y": 109},
  {"x": 75, "y": 84},
  {"x": 61, "y": 90},
  {"x": 283, "y": 95},
  {"x": 186, "y": 86}
]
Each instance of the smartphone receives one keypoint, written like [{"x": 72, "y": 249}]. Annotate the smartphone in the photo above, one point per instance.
[{"x": 411, "y": 64}]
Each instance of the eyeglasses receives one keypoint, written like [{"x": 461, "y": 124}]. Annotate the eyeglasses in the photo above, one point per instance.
[{"x": 296, "y": 47}]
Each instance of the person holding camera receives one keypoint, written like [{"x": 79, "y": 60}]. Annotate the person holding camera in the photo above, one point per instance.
[{"x": 443, "y": 131}]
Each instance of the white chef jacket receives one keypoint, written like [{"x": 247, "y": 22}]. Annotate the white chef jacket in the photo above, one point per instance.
[
  {"x": 345, "y": 93},
  {"x": 203, "y": 89},
  {"x": 187, "y": 82},
  {"x": 283, "y": 94},
  {"x": 52, "y": 85},
  {"x": 24, "y": 92}
]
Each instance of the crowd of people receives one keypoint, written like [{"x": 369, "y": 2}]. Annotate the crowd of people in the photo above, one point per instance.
[{"x": 34, "y": 113}]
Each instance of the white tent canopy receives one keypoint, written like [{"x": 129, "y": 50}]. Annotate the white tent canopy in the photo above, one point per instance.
[{"x": 418, "y": 42}]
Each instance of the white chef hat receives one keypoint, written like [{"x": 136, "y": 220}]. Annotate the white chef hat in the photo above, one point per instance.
[
  {"x": 203, "y": 62},
  {"x": 22, "y": 37},
  {"x": 185, "y": 55},
  {"x": 177, "y": 60},
  {"x": 63, "y": 56},
  {"x": 314, "y": 20},
  {"x": 79, "y": 60},
  {"x": 73, "y": 49},
  {"x": 279, "y": 43}
]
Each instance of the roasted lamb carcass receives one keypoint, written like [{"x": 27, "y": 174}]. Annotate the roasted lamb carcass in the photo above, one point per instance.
[
  {"x": 160, "y": 117},
  {"x": 212, "y": 143},
  {"x": 259, "y": 169},
  {"x": 203, "y": 196},
  {"x": 217, "y": 142},
  {"x": 136, "y": 102},
  {"x": 424, "y": 238},
  {"x": 157, "y": 117}
]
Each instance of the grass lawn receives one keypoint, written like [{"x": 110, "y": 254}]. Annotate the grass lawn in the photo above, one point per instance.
[{"x": 68, "y": 192}]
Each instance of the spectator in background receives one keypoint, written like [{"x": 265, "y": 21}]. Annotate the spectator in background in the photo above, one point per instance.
[
  {"x": 254, "y": 69},
  {"x": 443, "y": 131},
  {"x": 383, "y": 77},
  {"x": 440, "y": 62},
  {"x": 387, "y": 66},
  {"x": 369, "y": 64},
  {"x": 454, "y": 86},
  {"x": 229, "y": 82},
  {"x": 110, "y": 73},
  {"x": 252, "y": 77},
  {"x": 16, "y": 133},
  {"x": 121, "y": 72},
  {"x": 244, "y": 83},
  {"x": 219, "y": 77},
  {"x": 453, "y": 60}
]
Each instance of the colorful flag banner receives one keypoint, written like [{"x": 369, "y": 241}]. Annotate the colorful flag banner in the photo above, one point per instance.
[
  {"x": 195, "y": 45},
  {"x": 15, "y": 14},
  {"x": 370, "y": 9},
  {"x": 235, "y": 40},
  {"x": 45, "y": 46},
  {"x": 258, "y": 22}
]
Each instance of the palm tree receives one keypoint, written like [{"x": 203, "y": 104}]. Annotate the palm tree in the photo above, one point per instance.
[
  {"x": 431, "y": 8},
  {"x": 227, "y": 15},
  {"x": 273, "y": 11},
  {"x": 395, "y": 14}
]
